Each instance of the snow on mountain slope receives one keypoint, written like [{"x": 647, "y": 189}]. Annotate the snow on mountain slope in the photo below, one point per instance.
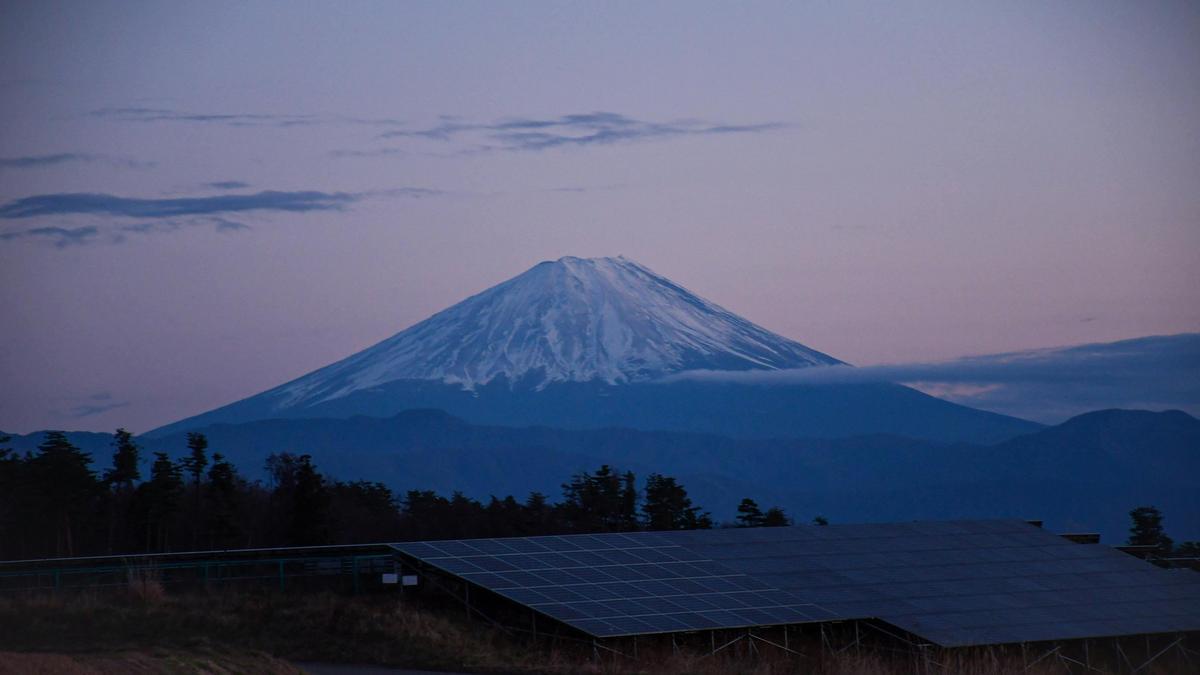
[{"x": 569, "y": 320}]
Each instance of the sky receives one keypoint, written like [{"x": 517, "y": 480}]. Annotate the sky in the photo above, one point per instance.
[{"x": 200, "y": 201}]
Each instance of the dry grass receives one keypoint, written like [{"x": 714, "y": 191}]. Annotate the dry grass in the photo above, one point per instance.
[
  {"x": 151, "y": 632},
  {"x": 142, "y": 662},
  {"x": 145, "y": 584},
  {"x": 311, "y": 627}
]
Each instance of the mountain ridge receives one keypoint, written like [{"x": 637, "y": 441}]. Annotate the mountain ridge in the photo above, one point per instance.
[{"x": 1052, "y": 474}]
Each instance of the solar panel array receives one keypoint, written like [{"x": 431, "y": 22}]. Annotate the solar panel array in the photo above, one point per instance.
[
  {"x": 964, "y": 583},
  {"x": 952, "y": 583},
  {"x": 617, "y": 584}
]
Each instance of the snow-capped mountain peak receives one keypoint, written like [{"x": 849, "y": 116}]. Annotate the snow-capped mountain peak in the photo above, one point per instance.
[{"x": 568, "y": 320}]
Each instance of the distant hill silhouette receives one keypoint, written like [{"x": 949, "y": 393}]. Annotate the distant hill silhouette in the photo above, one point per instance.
[
  {"x": 1084, "y": 474},
  {"x": 725, "y": 408}
]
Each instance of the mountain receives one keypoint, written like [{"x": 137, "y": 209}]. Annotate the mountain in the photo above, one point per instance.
[
  {"x": 573, "y": 320},
  {"x": 587, "y": 343},
  {"x": 1084, "y": 475}
]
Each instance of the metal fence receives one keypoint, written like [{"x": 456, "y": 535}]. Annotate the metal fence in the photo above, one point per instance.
[{"x": 351, "y": 569}]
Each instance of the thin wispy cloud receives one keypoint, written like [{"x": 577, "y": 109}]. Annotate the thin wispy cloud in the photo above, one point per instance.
[
  {"x": 164, "y": 225},
  {"x": 61, "y": 158},
  {"x": 140, "y": 114},
  {"x": 410, "y": 192},
  {"x": 574, "y": 130},
  {"x": 580, "y": 189},
  {"x": 226, "y": 225},
  {"x": 234, "y": 119},
  {"x": 91, "y": 409},
  {"x": 60, "y": 237},
  {"x": 377, "y": 152},
  {"x": 65, "y": 203},
  {"x": 227, "y": 185},
  {"x": 1048, "y": 385},
  {"x": 172, "y": 214}
]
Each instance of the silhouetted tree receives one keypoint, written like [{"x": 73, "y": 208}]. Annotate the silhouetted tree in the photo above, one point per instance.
[
  {"x": 161, "y": 496},
  {"x": 504, "y": 517},
  {"x": 820, "y": 520},
  {"x": 364, "y": 511},
  {"x": 424, "y": 510},
  {"x": 776, "y": 517},
  {"x": 224, "y": 499},
  {"x": 52, "y": 504},
  {"x": 301, "y": 498},
  {"x": 193, "y": 463},
  {"x": 126, "y": 456},
  {"x": 120, "y": 481},
  {"x": 62, "y": 477},
  {"x": 1188, "y": 548},
  {"x": 465, "y": 517},
  {"x": 309, "y": 519},
  {"x": 1147, "y": 529},
  {"x": 603, "y": 502},
  {"x": 539, "y": 516},
  {"x": 748, "y": 514},
  {"x": 627, "y": 513},
  {"x": 668, "y": 506},
  {"x": 14, "y": 498}
]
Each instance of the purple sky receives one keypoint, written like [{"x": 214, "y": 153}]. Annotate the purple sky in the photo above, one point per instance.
[{"x": 884, "y": 182}]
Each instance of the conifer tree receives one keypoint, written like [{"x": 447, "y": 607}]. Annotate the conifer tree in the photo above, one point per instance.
[
  {"x": 538, "y": 515},
  {"x": 309, "y": 504},
  {"x": 602, "y": 502},
  {"x": 13, "y": 501},
  {"x": 668, "y": 506},
  {"x": 1147, "y": 529},
  {"x": 748, "y": 514},
  {"x": 193, "y": 463},
  {"x": 62, "y": 478},
  {"x": 223, "y": 498},
  {"x": 126, "y": 455},
  {"x": 776, "y": 517},
  {"x": 120, "y": 480},
  {"x": 627, "y": 519},
  {"x": 162, "y": 495}
]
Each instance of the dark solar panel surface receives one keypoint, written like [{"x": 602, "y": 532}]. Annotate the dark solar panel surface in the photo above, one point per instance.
[
  {"x": 953, "y": 583},
  {"x": 617, "y": 584},
  {"x": 963, "y": 583}
]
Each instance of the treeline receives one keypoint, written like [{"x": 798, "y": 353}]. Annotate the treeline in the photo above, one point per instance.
[
  {"x": 1146, "y": 530},
  {"x": 52, "y": 503}
]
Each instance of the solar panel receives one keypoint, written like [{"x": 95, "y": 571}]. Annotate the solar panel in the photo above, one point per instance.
[
  {"x": 616, "y": 584},
  {"x": 967, "y": 582},
  {"x": 955, "y": 583}
]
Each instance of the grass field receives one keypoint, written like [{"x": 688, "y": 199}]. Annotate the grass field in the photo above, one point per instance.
[{"x": 148, "y": 631}]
